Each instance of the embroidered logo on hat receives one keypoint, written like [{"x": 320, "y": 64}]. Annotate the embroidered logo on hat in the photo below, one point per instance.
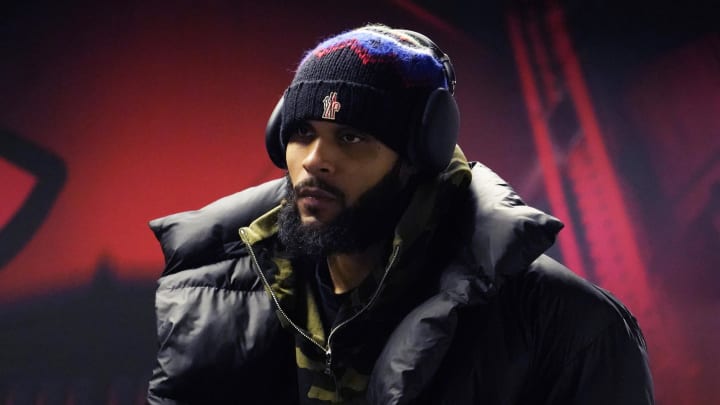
[{"x": 330, "y": 106}]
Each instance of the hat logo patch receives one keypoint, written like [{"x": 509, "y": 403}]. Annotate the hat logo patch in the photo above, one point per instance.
[{"x": 330, "y": 106}]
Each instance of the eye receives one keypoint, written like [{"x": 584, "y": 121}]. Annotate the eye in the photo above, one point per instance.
[
  {"x": 302, "y": 133},
  {"x": 352, "y": 137}
]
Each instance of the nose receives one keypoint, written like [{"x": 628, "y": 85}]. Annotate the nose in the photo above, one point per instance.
[{"x": 319, "y": 159}]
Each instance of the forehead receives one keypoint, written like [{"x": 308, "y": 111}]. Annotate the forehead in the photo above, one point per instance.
[{"x": 335, "y": 127}]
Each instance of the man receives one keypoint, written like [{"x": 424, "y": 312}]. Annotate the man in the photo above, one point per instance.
[{"x": 385, "y": 268}]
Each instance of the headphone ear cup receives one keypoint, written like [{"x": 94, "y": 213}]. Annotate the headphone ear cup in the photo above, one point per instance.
[
  {"x": 273, "y": 143},
  {"x": 437, "y": 136}
]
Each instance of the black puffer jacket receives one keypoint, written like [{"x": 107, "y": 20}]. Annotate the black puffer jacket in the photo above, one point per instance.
[{"x": 504, "y": 323}]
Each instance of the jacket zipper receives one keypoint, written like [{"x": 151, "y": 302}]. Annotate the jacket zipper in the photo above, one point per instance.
[
  {"x": 328, "y": 352},
  {"x": 272, "y": 293},
  {"x": 328, "y": 349}
]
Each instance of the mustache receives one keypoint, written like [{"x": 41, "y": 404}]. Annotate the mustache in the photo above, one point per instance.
[{"x": 319, "y": 184}]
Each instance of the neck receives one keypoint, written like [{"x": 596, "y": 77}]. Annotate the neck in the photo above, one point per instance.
[{"x": 347, "y": 271}]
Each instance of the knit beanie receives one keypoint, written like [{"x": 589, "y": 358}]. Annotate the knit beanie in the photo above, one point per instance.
[{"x": 374, "y": 79}]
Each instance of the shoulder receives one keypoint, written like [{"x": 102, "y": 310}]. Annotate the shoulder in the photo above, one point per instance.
[
  {"x": 585, "y": 345},
  {"x": 201, "y": 237},
  {"x": 212, "y": 312},
  {"x": 564, "y": 313}
]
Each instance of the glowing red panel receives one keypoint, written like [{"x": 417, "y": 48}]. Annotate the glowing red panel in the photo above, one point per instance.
[{"x": 16, "y": 186}]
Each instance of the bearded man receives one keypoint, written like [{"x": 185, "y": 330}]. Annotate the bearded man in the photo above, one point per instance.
[{"x": 384, "y": 268}]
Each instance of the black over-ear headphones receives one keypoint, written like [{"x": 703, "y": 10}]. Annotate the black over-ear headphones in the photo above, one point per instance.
[{"x": 431, "y": 149}]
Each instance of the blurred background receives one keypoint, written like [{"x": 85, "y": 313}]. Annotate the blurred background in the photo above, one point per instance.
[{"x": 604, "y": 113}]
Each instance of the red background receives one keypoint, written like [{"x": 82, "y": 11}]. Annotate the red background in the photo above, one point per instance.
[{"x": 157, "y": 108}]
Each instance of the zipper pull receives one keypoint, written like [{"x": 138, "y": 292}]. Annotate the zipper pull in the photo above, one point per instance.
[
  {"x": 328, "y": 371},
  {"x": 328, "y": 361}
]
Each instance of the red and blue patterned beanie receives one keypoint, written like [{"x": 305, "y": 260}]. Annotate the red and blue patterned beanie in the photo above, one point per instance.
[{"x": 373, "y": 78}]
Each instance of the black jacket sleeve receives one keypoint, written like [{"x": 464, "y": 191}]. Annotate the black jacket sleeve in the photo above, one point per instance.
[
  {"x": 589, "y": 348},
  {"x": 613, "y": 369}
]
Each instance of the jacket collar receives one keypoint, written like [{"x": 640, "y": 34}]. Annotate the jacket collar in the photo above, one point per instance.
[{"x": 506, "y": 238}]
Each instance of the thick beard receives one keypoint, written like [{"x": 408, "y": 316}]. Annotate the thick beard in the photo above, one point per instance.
[{"x": 370, "y": 220}]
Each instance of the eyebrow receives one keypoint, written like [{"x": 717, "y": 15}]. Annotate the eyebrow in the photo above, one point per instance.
[{"x": 340, "y": 127}]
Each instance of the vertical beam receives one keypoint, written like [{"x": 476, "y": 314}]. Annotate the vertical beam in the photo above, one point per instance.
[
  {"x": 619, "y": 265},
  {"x": 543, "y": 143},
  {"x": 547, "y": 77}
]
